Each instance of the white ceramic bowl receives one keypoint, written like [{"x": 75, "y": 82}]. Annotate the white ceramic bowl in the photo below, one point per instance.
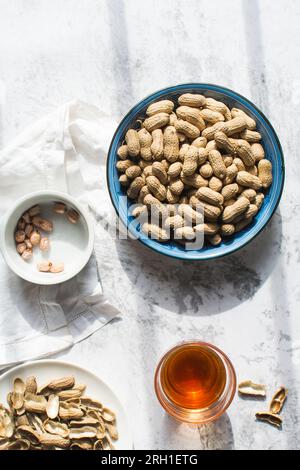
[
  {"x": 48, "y": 369},
  {"x": 70, "y": 243}
]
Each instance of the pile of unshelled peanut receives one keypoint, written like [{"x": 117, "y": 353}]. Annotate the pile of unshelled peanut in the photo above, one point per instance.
[
  {"x": 199, "y": 162},
  {"x": 29, "y": 234}
]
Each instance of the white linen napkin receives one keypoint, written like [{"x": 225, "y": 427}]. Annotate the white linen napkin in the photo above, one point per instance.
[{"x": 64, "y": 151}]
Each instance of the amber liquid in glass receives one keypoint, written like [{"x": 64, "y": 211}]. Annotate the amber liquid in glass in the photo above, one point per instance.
[{"x": 193, "y": 376}]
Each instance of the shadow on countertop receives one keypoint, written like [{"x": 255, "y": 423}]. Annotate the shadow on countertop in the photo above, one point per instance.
[
  {"x": 205, "y": 287},
  {"x": 216, "y": 435}
]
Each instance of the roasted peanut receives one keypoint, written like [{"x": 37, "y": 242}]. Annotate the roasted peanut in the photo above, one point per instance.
[
  {"x": 133, "y": 143},
  {"x": 229, "y": 191},
  {"x": 139, "y": 210},
  {"x": 235, "y": 126},
  {"x": 157, "y": 121},
  {"x": 217, "y": 164},
  {"x": 259, "y": 199},
  {"x": 251, "y": 124},
  {"x": 209, "y": 132},
  {"x": 148, "y": 171},
  {"x": 250, "y": 212},
  {"x": 163, "y": 106},
  {"x": 207, "y": 228},
  {"x": 171, "y": 144},
  {"x": 252, "y": 170},
  {"x": 202, "y": 155},
  {"x": 206, "y": 170},
  {"x": 200, "y": 142},
  {"x": 122, "y": 165},
  {"x": 184, "y": 233},
  {"x": 133, "y": 171},
  {"x": 155, "y": 232},
  {"x": 174, "y": 169},
  {"x": 228, "y": 160},
  {"x": 211, "y": 116},
  {"x": 239, "y": 164},
  {"x": 231, "y": 172},
  {"x": 209, "y": 195},
  {"x": 174, "y": 221},
  {"x": 215, "y": 240},
  {"x": 193, "y": 100},
  {"x": 244, "y": 151},
  {"x": 171, "y": 197},
  {"x": 242, "y": 224},
  {"x": 159, "y": 171},
  {"x": 190, "y": 161},
  {"x": 143, "y": 192},
  {"x": 156, "y": 188},
  {"x": 249, "y": 194},
  {"x": 231, "y": 212},
  {"x": 189, "y": 215},
  {"x": 186, "y": 128},
  {"x": 135, "y": 187},
  {"x": 265, "y": 172},
  {"x": 227, "y": 230},
  {"x": 229, "y": 202},
  {"x": 258, "y": 152},
  {"x": 157, "y": 146},
  {"x": 176, "y": 185},
  {"x": 191, "y": 115},
  {"x": 215, "y": 184},
  {"x": 194, "y": 181},
  {"x": 249, "y": 181},
  {"x": 211, "y": 213},
  {"x": 251, "y": 136},
  {"x": 122, "y": 152},
  {"x": 154, "y": 204},
  {"x": 145, "y": 141},
  {"x": 217, "y": 106},
  {"x": 124, "y": 180},
  {"x": 223, "y": 142},
  {"x": 212, "y": 145}
]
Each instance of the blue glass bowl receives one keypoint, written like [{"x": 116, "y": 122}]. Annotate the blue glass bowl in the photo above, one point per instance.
[{"x": 273, "y": 152}]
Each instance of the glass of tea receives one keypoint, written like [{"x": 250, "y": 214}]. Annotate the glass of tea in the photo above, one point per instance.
[{"x": 195, "y": 382}]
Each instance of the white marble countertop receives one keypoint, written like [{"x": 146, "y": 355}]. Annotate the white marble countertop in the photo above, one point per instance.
[{"x": 112, "y": 53}]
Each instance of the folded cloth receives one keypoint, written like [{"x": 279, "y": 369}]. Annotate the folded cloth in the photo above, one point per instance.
[{"x": 64, "y": 151}]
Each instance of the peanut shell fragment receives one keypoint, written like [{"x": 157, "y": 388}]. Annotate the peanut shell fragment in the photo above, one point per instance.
[
  {"x": 52, "y": 406},
  {"x": 270, "y": 418},
  {"x": 278, "y": 400},
  {"x": 249, "y": 388}
]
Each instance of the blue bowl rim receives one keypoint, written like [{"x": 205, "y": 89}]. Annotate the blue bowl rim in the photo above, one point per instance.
[{"x": 209, "y": 86}]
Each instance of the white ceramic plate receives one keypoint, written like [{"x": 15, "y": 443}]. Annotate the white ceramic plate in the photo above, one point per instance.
[
  {"x": 46, "y": 370},
  {"x": 70, "y": 243}
]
